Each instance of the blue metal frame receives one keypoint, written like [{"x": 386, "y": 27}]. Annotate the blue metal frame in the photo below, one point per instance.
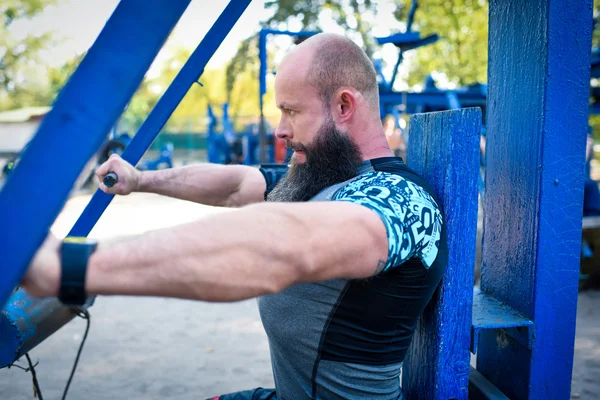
[
  {"x": 187, "y": 76},
  {"x": 405, "y": 41},
  {"x": 262, "y": 79},
  {"x": 106, "y": 79},
  {"x": 537, "y": 122},
  {"x": 432, "y": 100}
]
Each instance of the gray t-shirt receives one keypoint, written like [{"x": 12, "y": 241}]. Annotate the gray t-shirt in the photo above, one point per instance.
[{"x": 346, "y": 339}]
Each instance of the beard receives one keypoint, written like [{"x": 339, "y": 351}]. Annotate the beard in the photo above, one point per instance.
[{"x": 332, "y": 157}]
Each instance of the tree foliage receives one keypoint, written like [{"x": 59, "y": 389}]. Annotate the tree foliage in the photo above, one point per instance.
[
  {"x": 354, "y": 16},
  {"x": 461, "y": 53},
  {"x": 21, "y": 74}
]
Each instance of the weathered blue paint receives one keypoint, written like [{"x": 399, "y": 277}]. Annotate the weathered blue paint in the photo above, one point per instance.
[
  {"x": 26, "y": 321},
  {"x": 444, "y": 149},
  {"x": 189, "y": 73},
  {"x": 489, "y": 313},
  {"x": 73, "y": 131},
  {"x": 538, "y": 77}
]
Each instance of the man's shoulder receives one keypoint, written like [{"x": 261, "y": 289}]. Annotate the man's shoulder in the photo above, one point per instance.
[
  {"x": 384, "y": 184},
  {"x": 410, "y": 213}
]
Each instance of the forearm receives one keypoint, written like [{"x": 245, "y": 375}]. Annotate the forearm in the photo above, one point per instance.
[{"x": 211, "y": 184}]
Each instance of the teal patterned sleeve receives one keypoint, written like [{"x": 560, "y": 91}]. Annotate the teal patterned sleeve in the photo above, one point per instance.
[{"x": 411, "y": 216}]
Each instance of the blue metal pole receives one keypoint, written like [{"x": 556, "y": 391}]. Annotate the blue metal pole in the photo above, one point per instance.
[
  {"x": 26, "y": 321},
  {"x": 212, "y": 146},
  {"x": 79, "y": 122},
  {"x": 262, "y": 81},
  {"x": 395, "y": 73},
  {"x": 189, "y": 73},
  {"x": 537, "y": 118}
]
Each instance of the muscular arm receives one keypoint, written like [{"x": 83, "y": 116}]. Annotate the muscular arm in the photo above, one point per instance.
[
  {"x": 211, "y": 184},
  {"x": 249, "y": 252}
]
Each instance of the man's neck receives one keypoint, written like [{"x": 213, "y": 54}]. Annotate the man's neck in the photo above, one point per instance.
[{"x": 375, "y": 145}]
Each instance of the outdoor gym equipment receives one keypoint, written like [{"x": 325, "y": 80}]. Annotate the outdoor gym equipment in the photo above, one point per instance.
[
  {"x": 521, "y": 324},
  {"x": 262, "y": 55}
]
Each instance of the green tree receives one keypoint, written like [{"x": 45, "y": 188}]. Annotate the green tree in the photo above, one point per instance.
[
  {"x": 354, "y": 16},
  {"x": 461, "y": 53},
  {"x": 21, "y": 75}
]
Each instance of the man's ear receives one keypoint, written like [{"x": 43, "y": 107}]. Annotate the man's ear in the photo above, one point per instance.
[{"x": 344, "y": 105}]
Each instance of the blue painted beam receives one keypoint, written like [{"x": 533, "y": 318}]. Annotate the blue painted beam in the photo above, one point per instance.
[
  {"x": 79, "y": 122},
  {"x": 187, "y": 76},
  {"x": 433, "y": 98},
  {"x": 537, "y": 118},
  {"x": 444, "y": 149},
  {"x": 26, "y": 321},
  {"x": 491, "y": 314},
  {"x": 399, "y": 38}
]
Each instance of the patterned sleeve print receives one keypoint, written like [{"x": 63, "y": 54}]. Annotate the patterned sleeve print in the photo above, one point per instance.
[{"x": 411, "y": 216}]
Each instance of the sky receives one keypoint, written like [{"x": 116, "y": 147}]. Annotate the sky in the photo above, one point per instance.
[{"x": 77, "y": 23}]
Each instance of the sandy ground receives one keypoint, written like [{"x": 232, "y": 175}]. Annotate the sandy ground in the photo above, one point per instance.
[{"x": 148, "y": 348}]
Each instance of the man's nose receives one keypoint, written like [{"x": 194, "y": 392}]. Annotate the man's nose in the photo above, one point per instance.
[{"x": 283, "y": 132}]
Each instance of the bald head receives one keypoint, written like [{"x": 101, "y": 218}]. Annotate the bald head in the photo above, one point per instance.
[{"x": 335, "y": 62}]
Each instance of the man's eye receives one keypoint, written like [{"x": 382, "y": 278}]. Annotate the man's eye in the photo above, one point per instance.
[{"x": 290, "y": 112}]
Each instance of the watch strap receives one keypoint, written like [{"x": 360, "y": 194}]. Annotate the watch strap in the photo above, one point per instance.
[{"x": 75, "y": 254}]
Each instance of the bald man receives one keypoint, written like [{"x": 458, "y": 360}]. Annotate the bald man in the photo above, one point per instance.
[{"x": 343, "y": 248}]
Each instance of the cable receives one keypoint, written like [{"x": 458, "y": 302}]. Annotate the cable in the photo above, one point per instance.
[
  {"x": 38, "y": 392},
  {"x": 36, "y": 385},
  {"x": 85, "y": 315}
]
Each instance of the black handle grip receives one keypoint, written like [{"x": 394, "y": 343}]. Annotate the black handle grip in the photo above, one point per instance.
[{"x": 110, "y": 179}]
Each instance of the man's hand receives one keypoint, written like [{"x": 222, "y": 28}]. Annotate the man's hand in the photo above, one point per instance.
[
  {"x": 43, "y": 276},
  {"x": 129, "y": 176}
]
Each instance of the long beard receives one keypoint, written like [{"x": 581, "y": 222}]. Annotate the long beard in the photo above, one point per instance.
[{"x": 331, "y": 158}]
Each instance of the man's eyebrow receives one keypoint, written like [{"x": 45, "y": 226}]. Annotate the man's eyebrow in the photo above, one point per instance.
[{"x": 284, "y": 104}]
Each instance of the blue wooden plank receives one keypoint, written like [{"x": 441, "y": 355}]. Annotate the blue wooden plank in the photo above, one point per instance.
[
  {"x": 187, "y": 76},
  {"x": 489, "y": 313},
  {"x": 444, "y": 149},
  {"x": 539, "y": 72},
  {"x": 79, "y": 122}
]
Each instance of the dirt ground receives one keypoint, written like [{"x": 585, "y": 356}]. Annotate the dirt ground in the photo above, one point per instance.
[{"x": 154, "y": 348}]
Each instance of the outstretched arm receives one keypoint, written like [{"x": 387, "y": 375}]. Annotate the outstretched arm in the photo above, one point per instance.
[
  {"x": 211, "y": 184},
  {"x": 249, "y": 252}
]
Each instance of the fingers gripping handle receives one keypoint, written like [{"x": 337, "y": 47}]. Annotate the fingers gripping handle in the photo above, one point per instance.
[{"x": 110, "y": 179}]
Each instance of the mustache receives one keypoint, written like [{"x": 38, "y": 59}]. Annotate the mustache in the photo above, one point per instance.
[{"x": 295, "y": 146}]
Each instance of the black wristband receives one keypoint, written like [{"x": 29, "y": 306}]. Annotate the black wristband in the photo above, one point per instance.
[{"x": 75, "y": 253}]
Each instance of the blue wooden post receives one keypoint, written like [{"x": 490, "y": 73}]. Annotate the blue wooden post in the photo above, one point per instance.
[
  {"x": 444, "y": 149},
  {"x": 25, "y": 321},
  {"x": 539, "y": 73},
  {"x": 168, "y": 102},
  {"x": 79, "y": 122}
]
